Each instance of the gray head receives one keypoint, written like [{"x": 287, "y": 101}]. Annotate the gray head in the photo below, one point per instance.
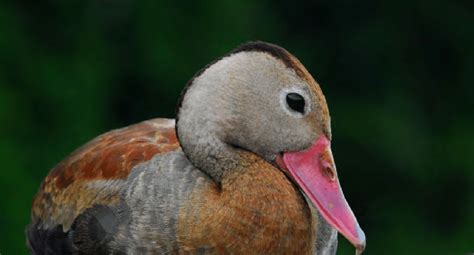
[{"x": 257, "y": 98}]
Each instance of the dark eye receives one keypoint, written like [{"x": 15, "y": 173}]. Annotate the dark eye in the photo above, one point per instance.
[{"x": 296, "y": 102}]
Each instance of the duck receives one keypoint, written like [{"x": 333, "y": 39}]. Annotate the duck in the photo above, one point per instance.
[{"x": 246, "y": 167}]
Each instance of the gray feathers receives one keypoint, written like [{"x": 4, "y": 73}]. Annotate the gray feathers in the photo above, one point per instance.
[{"x": 155, "y": 193}]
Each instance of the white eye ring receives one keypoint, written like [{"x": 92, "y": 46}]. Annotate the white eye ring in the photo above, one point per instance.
[{"x": 286, "y": 107}]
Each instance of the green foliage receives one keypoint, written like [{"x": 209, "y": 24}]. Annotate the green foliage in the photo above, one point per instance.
[{"x": 397, "y": 75}]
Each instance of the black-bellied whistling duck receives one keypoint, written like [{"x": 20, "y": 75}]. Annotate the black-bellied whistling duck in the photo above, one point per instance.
[{"x": 246, "y": 168}]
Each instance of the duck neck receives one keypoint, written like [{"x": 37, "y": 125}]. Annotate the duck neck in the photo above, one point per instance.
[{"x": 207, "y": 152}]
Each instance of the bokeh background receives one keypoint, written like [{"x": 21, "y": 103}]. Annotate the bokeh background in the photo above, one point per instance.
[{"x": 398, "y": 77}]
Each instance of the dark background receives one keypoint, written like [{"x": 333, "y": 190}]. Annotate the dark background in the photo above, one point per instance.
[{"x": 398, "y": 77}]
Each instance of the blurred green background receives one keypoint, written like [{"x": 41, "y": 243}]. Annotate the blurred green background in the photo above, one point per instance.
[{"x": 398, "y": 77}]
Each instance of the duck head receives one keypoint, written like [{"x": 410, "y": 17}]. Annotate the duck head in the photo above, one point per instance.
[{"x": 261, "y": 99}]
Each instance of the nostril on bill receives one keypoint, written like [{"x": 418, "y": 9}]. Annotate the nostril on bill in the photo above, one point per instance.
[
  {"x": 328, "y": 172},
  {"x": 327, "y": 169}
]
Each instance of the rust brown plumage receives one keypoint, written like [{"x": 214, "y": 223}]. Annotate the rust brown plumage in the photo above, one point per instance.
[
  {"x": 251, "y": 197},
  {"x": 109, "y": 157}
]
